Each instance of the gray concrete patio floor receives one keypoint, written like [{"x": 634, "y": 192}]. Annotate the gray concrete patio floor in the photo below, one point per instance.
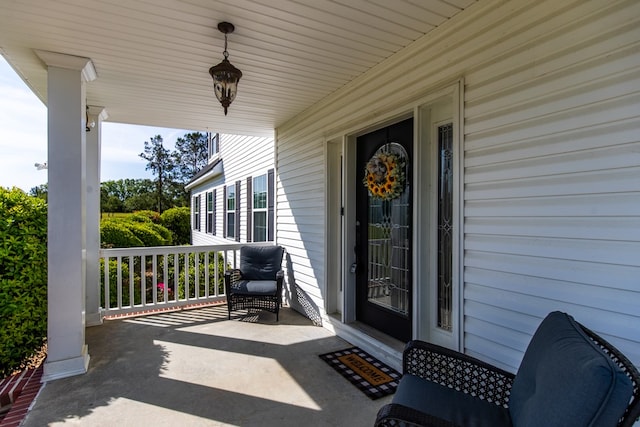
[{"x": 196, "y": 368}]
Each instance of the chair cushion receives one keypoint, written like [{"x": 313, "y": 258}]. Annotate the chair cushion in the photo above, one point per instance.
[
  {"x": 260, "y": 262},
  {"x": 446, "y": 403},
  {"x": 255, "y": 287},
  {"x": 566, "y": 380}
]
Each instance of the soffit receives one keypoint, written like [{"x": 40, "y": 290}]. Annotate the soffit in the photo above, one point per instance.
[{"x": 152, "y": 56}]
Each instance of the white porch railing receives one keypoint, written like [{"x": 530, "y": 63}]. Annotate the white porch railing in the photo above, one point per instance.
[{"x": 148, "y": 278}]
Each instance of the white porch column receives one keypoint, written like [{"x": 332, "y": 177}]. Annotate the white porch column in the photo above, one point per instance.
[
  {"x": 67, "y": 352},
  {"x": 94, "y": 140}
]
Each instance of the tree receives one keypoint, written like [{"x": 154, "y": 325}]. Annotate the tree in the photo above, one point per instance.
[
  {"x": 161, "y": 164},
  {"x": 109, "y": 202},
  {"x": 41, "y": 192},
  {"x": 190, "y": 156},
  {"x": 127, "y": 195}
]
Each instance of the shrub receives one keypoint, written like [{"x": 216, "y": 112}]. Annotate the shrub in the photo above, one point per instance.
[
  {"x": 164, "y": 233},
  {"x": 114, "y": 233},
  {"x": 178, "y": 221},
  {"x": 146, "y": 233},
  {"x": 141, "y": 216},
  {"x": 23, "y": 277},
  {"x": 133, "y": 231}
]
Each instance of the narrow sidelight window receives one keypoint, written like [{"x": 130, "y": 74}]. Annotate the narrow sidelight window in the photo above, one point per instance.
[{"x": 445, "y": 226}]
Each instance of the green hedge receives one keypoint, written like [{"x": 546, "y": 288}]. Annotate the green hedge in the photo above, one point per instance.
[
  {"x": 23, "y": 277},
  {"x": 114, "y": 233},
  {"x": 133, "y": 230},
  {"x": 144, "y": 216},
  {"x": 178, "y": 221},
  {"x": 146, "y": 233}
]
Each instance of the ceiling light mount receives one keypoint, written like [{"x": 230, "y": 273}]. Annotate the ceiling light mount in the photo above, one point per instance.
[{"x": 225, "y": 76}]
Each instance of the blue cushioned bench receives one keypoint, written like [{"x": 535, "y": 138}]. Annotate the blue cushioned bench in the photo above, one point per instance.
[{"x": 569, "y": 376}]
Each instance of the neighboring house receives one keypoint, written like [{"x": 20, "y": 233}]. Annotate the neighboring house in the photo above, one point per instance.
[
  {"x": 232, "y": 198},
  {"x": 520, "y": 126}
]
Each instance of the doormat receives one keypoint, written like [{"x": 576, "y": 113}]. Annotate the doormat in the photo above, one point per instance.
[{"x": 372, "y": 377}]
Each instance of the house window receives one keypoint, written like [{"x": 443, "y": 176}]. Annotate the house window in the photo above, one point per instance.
[
  {"x": 213, "y": 144},
  {"x": 196, "y": 213},
  {"x": 209, "y": 212},
  {"x": 260, "y": 208},
  {"x": 231, "y": 211}
]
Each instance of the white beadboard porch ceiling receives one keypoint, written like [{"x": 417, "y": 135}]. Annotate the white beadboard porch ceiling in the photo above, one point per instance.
[{"x": 152, "y": 57}]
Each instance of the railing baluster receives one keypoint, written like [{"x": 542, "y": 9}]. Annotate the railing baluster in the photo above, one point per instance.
[
  {"x": 187, "y": 256},
  {"x": 196, "y": 271},
  {"x": 107, "y": 283},
  {"x": 119, "y": 289},
  {"x": 206, "y": 275},
  {"x": 132, "y": 268},
  {"x": 165, "y": 276},
  {"x": 176, "y": 276},
  {"x": 143, "y": 281},
  {"x": 154, "y": 280},
  {"x": 216, "y": 290}
]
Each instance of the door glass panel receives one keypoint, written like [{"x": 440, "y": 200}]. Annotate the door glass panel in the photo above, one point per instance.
[
  {"x": 389, "y": 276},
  {"x": 445, "y": 226}
]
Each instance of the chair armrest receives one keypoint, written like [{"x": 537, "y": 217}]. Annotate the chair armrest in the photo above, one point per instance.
[
  {"x": 458, "y": 371},
  {"x": 279, "y": 283},
  {"x": 396, "y": 415},
  {"x": 230, "y": 278}
]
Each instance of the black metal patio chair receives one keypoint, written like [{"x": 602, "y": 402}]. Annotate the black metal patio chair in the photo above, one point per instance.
[
  {"x": 569, "y": 376},
  {"x": 258, "y": 282}
]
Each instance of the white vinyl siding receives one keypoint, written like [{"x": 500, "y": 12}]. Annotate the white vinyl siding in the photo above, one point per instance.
[
  {"x": 242, "y": 156},
  {"x": 551, "y": 165},
  {"x": 300, "y": 212},
  {"x": 552, "y": 160}
]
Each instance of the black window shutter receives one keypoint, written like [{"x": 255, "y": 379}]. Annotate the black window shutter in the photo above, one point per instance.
[
  {"x": 213, "y": 226},
  {"x": 238, "y": 183},
  {"x": 271, "y": 214},
  {"x": 199, "y": 210},
  {"x": 249, "y": 208},
  {"x": 207, "y": 226},
  {"x": 224, "y": 211}
]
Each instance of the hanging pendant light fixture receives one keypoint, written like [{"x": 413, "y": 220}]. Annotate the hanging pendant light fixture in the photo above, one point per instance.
[{"x": 225, "y": 76}]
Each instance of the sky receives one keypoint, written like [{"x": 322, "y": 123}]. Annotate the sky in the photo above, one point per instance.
[{"x": 23, "y": 138}]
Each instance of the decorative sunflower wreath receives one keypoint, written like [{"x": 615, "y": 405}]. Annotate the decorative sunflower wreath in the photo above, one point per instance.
[{"x": 384, "y": 176}]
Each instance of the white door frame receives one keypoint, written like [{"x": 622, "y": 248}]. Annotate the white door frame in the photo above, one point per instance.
[{"x": 340, "y": 297}]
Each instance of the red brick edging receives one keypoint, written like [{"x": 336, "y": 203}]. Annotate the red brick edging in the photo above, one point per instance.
[{"x": 19, "y": 391}]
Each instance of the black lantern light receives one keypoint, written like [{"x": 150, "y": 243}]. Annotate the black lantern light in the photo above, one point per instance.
[{"x": 225, "y": 76}]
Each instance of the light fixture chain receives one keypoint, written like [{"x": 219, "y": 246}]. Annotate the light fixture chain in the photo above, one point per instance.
[{"x": 225, "y": 53}]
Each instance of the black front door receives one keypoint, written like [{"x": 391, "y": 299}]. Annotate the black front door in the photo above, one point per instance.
[{"x": 384, "y": 229}]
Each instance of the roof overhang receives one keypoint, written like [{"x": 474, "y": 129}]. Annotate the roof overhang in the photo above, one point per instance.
[
  {"x": 207, "y": 173},
  {"x": 152, "y": 58}
]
